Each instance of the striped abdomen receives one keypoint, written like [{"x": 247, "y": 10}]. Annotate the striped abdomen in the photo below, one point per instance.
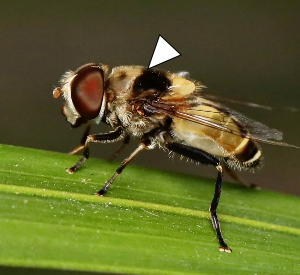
[{"x": 237, "y": 150}]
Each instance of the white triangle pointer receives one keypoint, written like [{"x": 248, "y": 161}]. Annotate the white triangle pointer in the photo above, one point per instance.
[{"x": 163, "y": 52}]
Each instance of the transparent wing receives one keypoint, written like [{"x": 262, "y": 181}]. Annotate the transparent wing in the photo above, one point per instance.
[
  {"x": 257, "y": 129},
  {"x": 247, "y": 128},
  {"x": 247, "y": 103}
]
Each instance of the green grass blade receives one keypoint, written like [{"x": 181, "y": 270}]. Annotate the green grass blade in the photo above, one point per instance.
[{"x": 150, "y": 222}]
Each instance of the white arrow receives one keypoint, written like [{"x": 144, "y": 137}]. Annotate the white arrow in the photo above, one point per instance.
[{"x": 163, "y": 52}]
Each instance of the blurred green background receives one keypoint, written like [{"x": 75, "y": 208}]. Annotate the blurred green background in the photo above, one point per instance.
[{"x": 248, "y": 50}]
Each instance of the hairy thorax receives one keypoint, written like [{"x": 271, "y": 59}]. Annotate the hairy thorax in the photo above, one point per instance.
[
  {"x": 134, "y": 123},
  {"x": 121, "y": 109}
]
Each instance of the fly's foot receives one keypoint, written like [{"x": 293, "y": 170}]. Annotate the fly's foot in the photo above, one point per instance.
[
  {"x": 74, "y": 168},
  {"x": 71, "y": 170},
  {"x": 225, "y": 249},
  {"x": 101, "y": 192}
]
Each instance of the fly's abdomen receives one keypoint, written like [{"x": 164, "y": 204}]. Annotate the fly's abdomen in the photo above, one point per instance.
[
  {"x": 237, "y": 150},
  {"x": 246, "y": 155}
]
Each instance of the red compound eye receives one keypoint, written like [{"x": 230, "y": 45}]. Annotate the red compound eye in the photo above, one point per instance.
[{"x": 87, "y": 90}]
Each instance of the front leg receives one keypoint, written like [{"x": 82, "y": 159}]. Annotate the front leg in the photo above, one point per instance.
[
  {"x": 82, "y": 141},
  {"x": 115, "y": 135}
]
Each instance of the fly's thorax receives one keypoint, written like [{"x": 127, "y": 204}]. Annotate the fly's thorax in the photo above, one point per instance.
[
  {"x": 133, "y": 122},
  {"x": 131, "y": 88},
  {"x": 121, "y": 80}
]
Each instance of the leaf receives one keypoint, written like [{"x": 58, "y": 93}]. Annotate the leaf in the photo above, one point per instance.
[{"x": 150, "y": 222}]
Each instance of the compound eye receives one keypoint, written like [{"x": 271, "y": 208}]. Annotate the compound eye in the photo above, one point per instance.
[{"x": 87, "y": 91}]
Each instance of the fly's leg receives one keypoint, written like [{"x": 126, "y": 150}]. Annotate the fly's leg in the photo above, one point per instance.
[
  {"x": 146, "y": 143},
  {"x": 84, "y": 138},
  {"x": 82, "y": 141},
  {"x": 208, "y": 159},
  {"x": 119, "y": 170},
  {"x": 213, "y": 211},
  {"x": 239, "y": 180},
  {"x": 115, "y": 154},
  {"x": 113, "y": 136}
]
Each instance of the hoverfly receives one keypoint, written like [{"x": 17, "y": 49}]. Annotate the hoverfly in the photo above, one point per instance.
[{"x": 166, "y": 110}]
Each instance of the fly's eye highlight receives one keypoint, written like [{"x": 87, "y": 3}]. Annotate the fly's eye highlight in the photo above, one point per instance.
[{"x": 87, "y": 91}]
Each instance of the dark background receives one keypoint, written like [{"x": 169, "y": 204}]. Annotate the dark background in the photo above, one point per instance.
[{"x": 246, "y": 50}]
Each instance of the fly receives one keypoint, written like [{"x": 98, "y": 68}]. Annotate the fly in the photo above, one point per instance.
[{"x": 166, "y": 110}]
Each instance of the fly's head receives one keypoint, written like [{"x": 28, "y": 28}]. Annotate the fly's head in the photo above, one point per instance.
[{"x": 84, "y": 94}]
